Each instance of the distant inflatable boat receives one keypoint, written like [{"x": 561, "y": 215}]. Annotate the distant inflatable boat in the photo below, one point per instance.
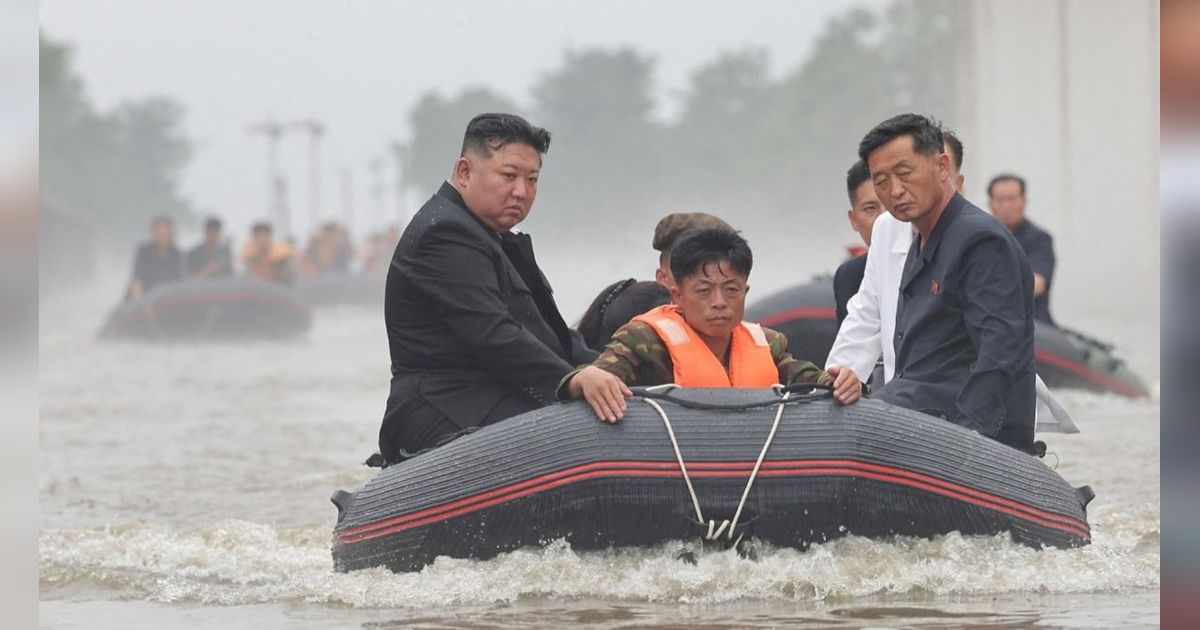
[
  {"x": 218, "y": 308},
  {"x": 716, "y": 464},
  {"x": 1065, "y": 358},
  {"x": 341, "y": 289}
]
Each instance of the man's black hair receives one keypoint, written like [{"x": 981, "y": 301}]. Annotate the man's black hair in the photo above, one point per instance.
[
  {"x": 260, "y": 226},
  {"x": 855, "y": 177},
  {"x": 488, "y": 132},
  {"x": 1006, "y": 177},
  {"x": 212, "y": 223},
  {"x": 925, "y": 131},
  {"x": 956, "y": 148},
  {"x": 697, "y": 248}
]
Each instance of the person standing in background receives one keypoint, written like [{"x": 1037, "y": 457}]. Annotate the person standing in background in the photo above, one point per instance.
[{"x": 1006, "y": 199}]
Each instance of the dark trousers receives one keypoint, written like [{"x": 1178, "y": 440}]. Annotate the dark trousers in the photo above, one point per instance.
[{"x": 416, "y": 425}]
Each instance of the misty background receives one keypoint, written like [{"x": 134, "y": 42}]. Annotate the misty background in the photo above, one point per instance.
[{"x": 752, "y": 113}]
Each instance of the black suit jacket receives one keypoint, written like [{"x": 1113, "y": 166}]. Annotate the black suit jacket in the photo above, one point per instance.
[
  {"x": 964, "y": 328},
  {"x": 1039, "y": 248},
  {"x": 846, "y": 280},
  {"x": 471, "y": 320}
]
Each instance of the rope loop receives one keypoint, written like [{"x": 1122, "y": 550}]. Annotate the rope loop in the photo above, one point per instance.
[{"x": 727, "y": 526}]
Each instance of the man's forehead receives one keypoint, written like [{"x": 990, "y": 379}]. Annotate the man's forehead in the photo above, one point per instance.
[
  {"x": 717, "y": 271},
  {"x": 515, "y": 154},
  {"x": 1008, "y": 185},
  {"x": 865, "y": 193},
  {"x": 892, "y": 152}
]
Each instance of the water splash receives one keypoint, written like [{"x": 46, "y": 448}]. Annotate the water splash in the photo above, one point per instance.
[{"x": 239, "y": 562}]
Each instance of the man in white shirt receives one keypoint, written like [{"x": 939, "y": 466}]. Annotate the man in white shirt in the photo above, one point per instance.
[{"x": 871, "y": 313}]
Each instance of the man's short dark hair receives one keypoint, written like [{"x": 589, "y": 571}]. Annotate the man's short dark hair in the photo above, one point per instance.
[
  {"x": 698, "y": 248},
  {"x": 925, "y": 131},
  {"x": 261, "y": 226},
  {"x": 212, "y": 223},
  {"x": 488, "y": 132},
  {"x": 956, "y": 148},
  {"x": 1006, "y": 177},
  {"x": 855, "y": 177}
]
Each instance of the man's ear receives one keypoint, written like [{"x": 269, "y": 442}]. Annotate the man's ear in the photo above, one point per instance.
[
  {"x": 850, "y": 218},
  {"x": 660, "y": 276},
  {"x": 676, "y": 294},
  {"x": 958, "y": 182},
  {"x": 462, "y": 171},
  {"x": 943, "y": 166}
]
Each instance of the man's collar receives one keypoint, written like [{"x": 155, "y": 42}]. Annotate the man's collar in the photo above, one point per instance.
[
  {"x": 939, "y": 229},
  {"x": 450, "y": 192}
]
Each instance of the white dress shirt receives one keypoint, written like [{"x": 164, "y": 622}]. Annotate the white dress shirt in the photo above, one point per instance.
[{"x": 871, "y": 313}]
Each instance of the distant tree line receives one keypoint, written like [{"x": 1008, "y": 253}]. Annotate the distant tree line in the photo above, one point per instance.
[
  {"x": 106, "y": 174},
  {"x": 778, "y": 149}
]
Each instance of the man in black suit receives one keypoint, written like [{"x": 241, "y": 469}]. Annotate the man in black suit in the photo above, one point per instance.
[
  {"x": 864, "y": 209},
  {"x": 157, "y": 262},
  {"x": 474, "y": 333},
  {"x": 1006, "y": 199},
  {"x": 964, "y": 319}
]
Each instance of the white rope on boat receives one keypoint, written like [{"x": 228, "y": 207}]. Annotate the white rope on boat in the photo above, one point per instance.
[{"x": 726, "y": 526}]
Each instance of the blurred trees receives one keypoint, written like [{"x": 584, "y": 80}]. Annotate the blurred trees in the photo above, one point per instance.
[
  {"x": 598, "y": 107},
  {"x": 438, "y": 124},
  {"x": 741, "y": 140},
  {"x": 107, "y": 173}
]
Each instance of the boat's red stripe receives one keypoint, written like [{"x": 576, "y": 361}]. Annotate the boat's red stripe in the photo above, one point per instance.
[
  {"x": 1100, "y": 378},
  {"x": 803, "y": 312},
  {"x": 711, "y": 469}
]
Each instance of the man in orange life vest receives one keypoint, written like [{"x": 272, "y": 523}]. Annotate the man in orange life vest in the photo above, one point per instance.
[{"x": 700, "y": 340}]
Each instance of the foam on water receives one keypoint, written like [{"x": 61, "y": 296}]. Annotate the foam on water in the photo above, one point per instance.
[{"x": 239, "y": 562}]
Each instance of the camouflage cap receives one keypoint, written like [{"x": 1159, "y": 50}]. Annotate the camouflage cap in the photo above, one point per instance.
[{"x": 672, "y": 225}]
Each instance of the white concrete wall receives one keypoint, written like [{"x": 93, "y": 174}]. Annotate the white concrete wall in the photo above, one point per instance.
[{"x": 1065, "y": 93}]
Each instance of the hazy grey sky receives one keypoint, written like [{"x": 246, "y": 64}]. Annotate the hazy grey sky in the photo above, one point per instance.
[{"x": 360, "y": 66}]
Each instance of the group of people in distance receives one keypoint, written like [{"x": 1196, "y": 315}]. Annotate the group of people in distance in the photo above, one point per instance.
[
  {"x": 329, "y": 250},
  {"x": 947, "y": 296}
]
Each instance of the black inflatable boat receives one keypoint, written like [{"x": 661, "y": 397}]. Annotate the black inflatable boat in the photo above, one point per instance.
[
  {"x": 218, "y": 308},
  {"x": 1065, "y": 358},
  {"x": 691, "y": 463},
  {"x": 342, "y": 289}
]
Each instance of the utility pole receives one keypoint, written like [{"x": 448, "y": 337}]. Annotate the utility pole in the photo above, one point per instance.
[
  {"x": 347, "y": 186},
  {"x": 378, "y": 218},
  {"x": 277, "y": 209},
  {"x": 315, "y": 130},
  {"x": 399, "y": 153}
]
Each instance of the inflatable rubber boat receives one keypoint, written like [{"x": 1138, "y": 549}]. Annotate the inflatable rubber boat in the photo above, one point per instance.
[
  {"x": 1065, "y": 359},
  {"x": 725, "y": 465},
  {"x": 342, "y": 289},
  {"x": 216, "y": 308}
]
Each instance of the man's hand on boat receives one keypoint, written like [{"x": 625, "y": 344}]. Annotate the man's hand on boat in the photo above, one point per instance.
[
  {"x": 847, "y": 389},
  {"x": 602, "y": 390}
]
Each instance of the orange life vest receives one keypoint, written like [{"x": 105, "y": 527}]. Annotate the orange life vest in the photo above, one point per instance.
[{"x": 750, "y": 360}]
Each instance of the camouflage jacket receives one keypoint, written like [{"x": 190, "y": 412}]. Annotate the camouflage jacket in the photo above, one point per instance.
[{"x": 638, "y": 356}]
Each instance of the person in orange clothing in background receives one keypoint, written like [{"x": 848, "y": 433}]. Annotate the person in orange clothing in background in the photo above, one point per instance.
[{"x": 266, "y": 259}]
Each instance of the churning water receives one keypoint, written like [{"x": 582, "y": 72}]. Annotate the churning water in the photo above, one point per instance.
[{"x": 188, "y": 485}]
